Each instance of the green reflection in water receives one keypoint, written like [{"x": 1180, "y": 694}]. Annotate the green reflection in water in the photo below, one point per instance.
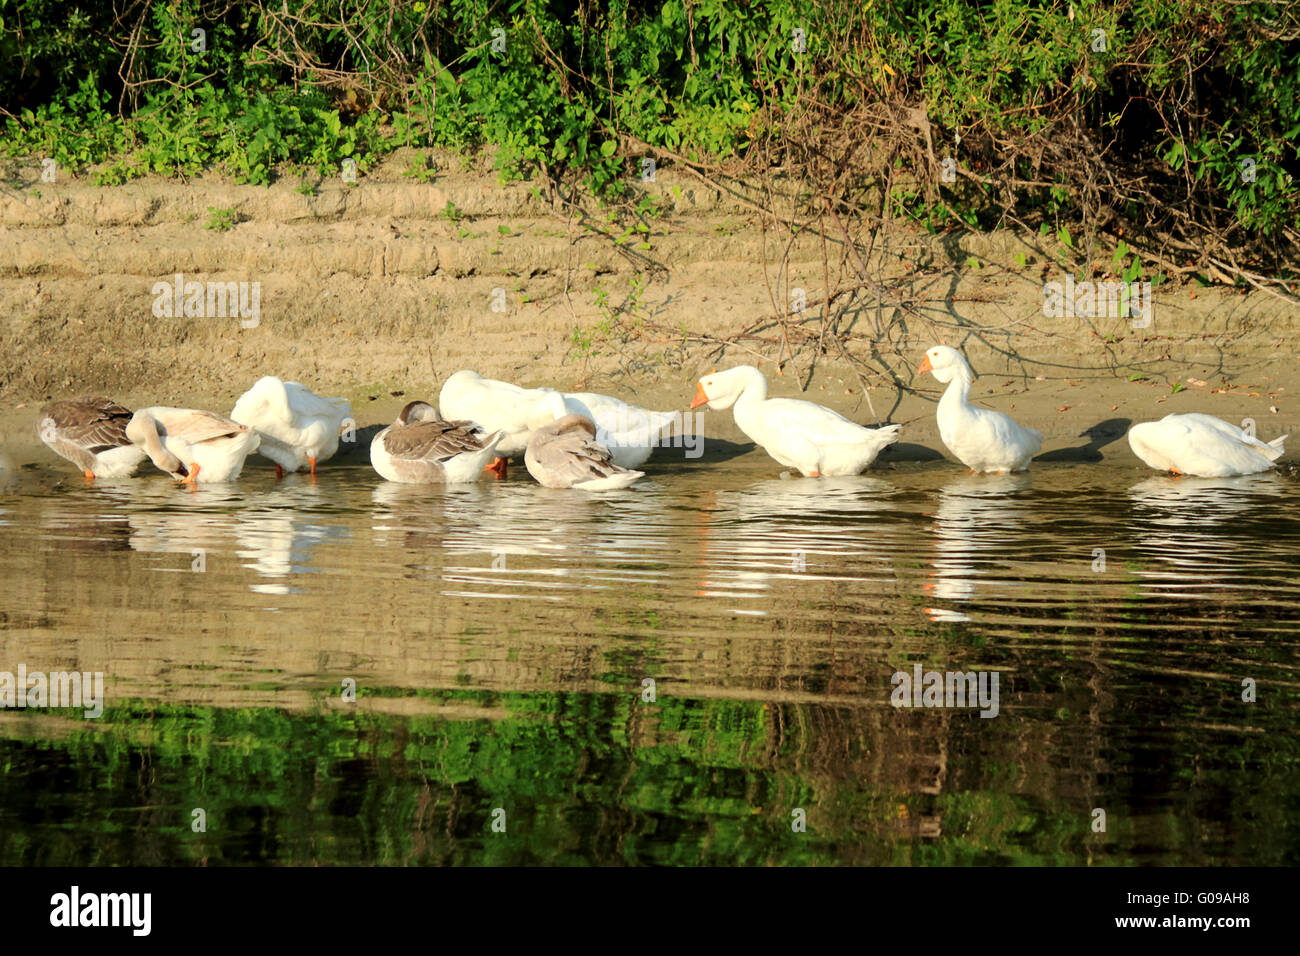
[{"x": 591, "y": 778}]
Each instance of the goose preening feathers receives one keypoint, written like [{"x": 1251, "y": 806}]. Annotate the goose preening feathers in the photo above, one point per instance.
[
  {"x": 90, "y": 432},
  {"x": 1202, "y": 445},
  {"x": 299, "y": 429},
  {"x": 500, "y": 406},
  {"x": 192, "y": 445},
  {"x": 421, "y": 447},
  {"x": 629, "y": 431},
  {"x": 565, "y": 454}
]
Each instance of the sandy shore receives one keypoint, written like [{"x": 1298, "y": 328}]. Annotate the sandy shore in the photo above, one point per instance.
[{"x": 378, "y": 291}]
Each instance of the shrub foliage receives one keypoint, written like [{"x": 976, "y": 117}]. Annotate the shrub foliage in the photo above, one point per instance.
[{"x": 1177, "y": 121}]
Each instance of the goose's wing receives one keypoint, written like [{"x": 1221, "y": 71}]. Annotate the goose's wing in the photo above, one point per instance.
[
  {"x": 817, "y": 423},
  {"x": 433, "y": 441},
  {"x": 94, "y": 424},
  {"x": 574, "y": 457},
  {"x": 544, "y": 405},
  {"x": 1191, "y": 425},
  {"x": 1199, "y": 427},
  {"x": 613, "y": 416},
  {"x": 501, "y": 405},
  {"x": 304, "y": 403},
  {"x": 994, "y": 427},
  {"x": 586, "y": 404},
  {"x": 194, "y": 425},
  {"x": 1203, "y": 444},
  {"x": 661, "y": 420}
]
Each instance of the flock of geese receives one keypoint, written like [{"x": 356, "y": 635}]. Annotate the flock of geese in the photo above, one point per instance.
[{"x": 581, "y": 439}]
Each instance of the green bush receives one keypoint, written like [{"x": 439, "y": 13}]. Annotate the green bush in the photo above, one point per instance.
[{"x": 1157, "y": 126}]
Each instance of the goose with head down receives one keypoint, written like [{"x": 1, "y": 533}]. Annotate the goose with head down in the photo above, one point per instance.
[
  {"x": 798, "y": 434},
  {"x": 421, "y": 447},
  {"x": 628, "y": 431},
  {"x": 565, "y": 454},
  {"x": 982, "y": 439},
  {"x": 1202, "y": 445},
  {"x": 192, "y": 445},
  {"x": 500, "y": 406},
  {"x": 90, "y": 432},
  {"x": 298, "y": 428}
]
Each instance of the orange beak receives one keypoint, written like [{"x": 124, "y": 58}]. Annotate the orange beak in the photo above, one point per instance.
[
  {"x": 700, "y": 397},
  {"x": 925, "y": 367}
]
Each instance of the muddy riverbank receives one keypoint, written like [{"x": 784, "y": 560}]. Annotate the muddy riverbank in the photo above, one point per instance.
[{"x": 379, "y": 291}]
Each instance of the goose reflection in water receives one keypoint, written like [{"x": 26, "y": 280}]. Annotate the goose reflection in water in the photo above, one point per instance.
[
  {"x": 73, "y": 524},
  {"x": 272, "y": 537},
  {"x": 975, "y": 518},
  {"x": 168, "y": 520},
  {"x": 1200, "y": 535},
  {"x": 278, "y": 534},
  {"x": 520, "y": 540},
  {"x": 794, "y": 530}
]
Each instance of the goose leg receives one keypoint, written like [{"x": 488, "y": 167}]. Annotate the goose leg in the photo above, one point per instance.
[
  {"x": 313, "y": 466},
  {"x": 279, "y": 472},
  {"x": 498, "y": 467}
]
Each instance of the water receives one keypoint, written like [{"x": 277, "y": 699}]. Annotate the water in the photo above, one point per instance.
[{"x": 500, "y": 637}]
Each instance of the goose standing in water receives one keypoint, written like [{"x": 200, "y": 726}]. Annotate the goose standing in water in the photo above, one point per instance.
[
  {"x": 629, "y": 431},
  {"x": 500, "y": 406},
  {"x": 980, "y": 438},
  {"x": 90, "y": 432},
  {"x": 420, "y": 447},
  {"x": 192, "y": 445},
  {"x": 798, "y": 434},
  {"x": 298, "y": 428},
  {"x": 565, "y": 454},
  {"x": 1202, "y": 445}
]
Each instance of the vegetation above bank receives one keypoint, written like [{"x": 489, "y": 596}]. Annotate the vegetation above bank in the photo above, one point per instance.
[{"x": 1158, "y": 136}]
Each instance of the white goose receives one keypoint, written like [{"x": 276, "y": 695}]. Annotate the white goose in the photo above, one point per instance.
[
  {"x": 796, "y": 433},
  {"x": 298, "y": 427},
  {"x": 980, "y": 438},
  {"x": 192, "y": 445},
  {"x": 1202, "y": 445},
  {"x": 565, "y": 454},
  {"x": 500, "y": 406},
  {"x": 629, "y": 431}
]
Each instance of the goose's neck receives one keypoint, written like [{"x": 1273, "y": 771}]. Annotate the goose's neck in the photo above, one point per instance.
[
  {"x": 277, "y": 398},
  {"x": 748, "y": 405},
  {"x": 154, "y": 447},
  {"x": 957, "y": 395},
  {"x": 755, "y": 390}
]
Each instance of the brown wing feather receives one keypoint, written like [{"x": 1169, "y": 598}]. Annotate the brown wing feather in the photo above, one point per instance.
[
  {"x": 438, "y": 440},
  {"x": 577, "y": 457},
  {"x": 91, "y": 423}
]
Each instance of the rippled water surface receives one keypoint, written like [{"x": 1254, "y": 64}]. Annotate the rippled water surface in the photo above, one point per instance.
[{"x": 502, "y": 638}]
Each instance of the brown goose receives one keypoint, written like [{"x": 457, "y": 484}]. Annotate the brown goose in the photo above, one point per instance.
[
  {"x": 421, "y": 447},
  {"x": 565, "y": 454},
  {"x": 90, "y": 432}
]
